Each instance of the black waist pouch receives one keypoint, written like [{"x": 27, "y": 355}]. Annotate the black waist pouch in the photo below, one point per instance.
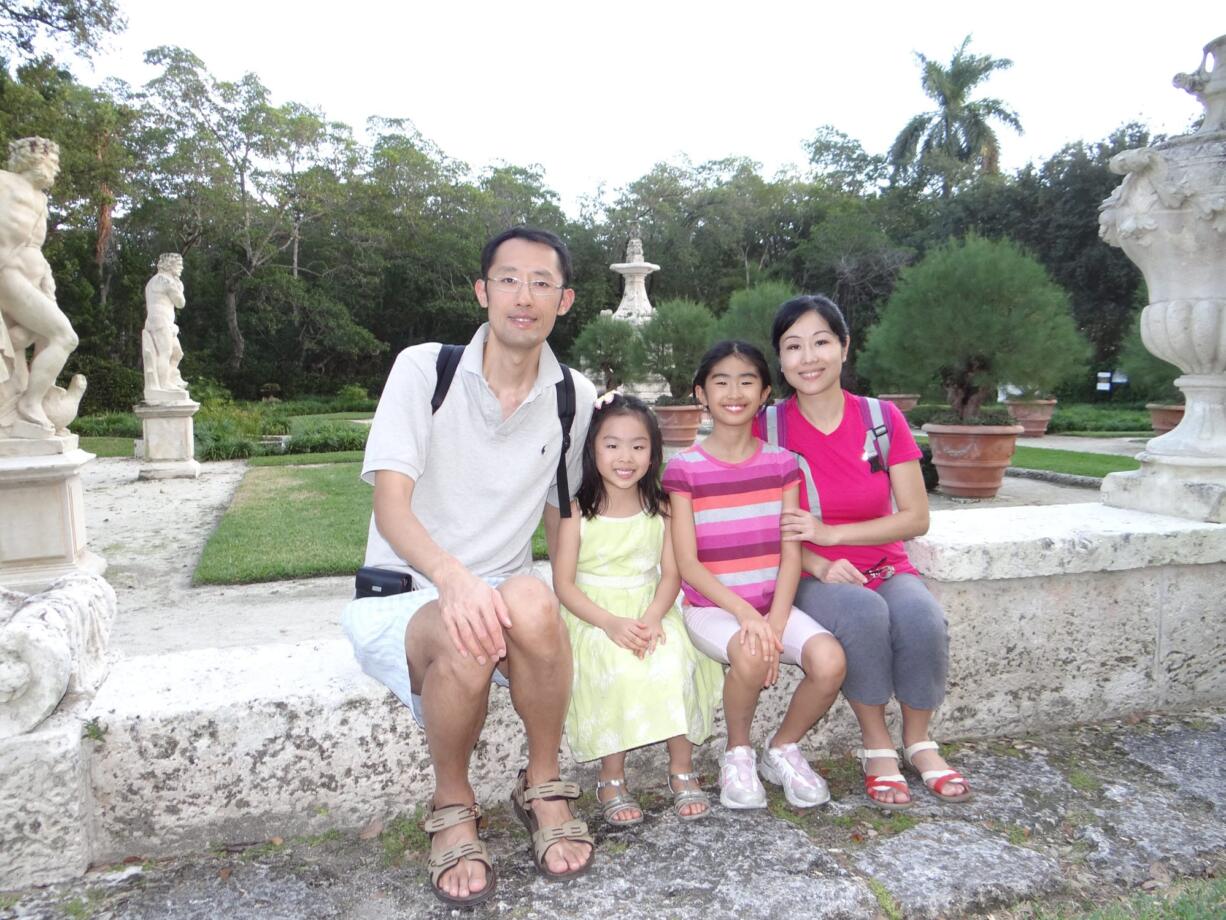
[{"x": 376, "y": 582}]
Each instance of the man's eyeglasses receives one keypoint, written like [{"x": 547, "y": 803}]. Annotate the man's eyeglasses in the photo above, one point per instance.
[
  {"x": 879, "y": 570},
  {"x": 538, "y": 288}
]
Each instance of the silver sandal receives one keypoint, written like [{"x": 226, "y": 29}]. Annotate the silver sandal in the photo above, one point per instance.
[
  {"x": 684, "y": 797},
  {"x": 620, "y": 802}
]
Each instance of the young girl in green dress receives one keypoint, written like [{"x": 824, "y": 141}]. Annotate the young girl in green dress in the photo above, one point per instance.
[{"x": 638, "y": 679}]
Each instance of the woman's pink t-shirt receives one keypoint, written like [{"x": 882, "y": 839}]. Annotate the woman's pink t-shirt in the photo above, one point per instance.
[{"x": 848, "y": 490}]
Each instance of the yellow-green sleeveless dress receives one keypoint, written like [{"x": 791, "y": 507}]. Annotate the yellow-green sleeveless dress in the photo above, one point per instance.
[{"x": 618, "y": 701}]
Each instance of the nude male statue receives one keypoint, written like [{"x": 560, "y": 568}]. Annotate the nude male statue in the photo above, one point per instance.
[
  {"x": 28, "y": 311},
  {"x": 160, "y": 347}
]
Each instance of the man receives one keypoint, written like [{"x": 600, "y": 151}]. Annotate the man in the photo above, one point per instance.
[
  {"x": 28, "y": 311},
  {"x": 457, "y": 497}
]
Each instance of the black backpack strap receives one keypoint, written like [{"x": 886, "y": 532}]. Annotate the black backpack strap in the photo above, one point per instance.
[
  {"x": 566, "y": 416},
  {"x": 445, "y": 367}
]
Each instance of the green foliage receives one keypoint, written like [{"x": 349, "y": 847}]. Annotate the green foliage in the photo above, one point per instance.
[
  {"x": 675, "y": 339},
  {"x": 971, "y": 316},
  {"x": 109, "y": 424},
  {"x": 82, "y": 24},
  {"x": 334, "y": 436},
  {"x": 352, "y": 397},
  {"x": 209, "y": 392},
  {"x": 750, "y": 313},
  {"x": 986, "y": 416},
  {"x": 957, "y": 138},
  {"x": 1105, "y": 417},
  {"x": 1150, "y": 379},
  {"x": 610, "y": 352},
  {"x": 110, "y": 386}
]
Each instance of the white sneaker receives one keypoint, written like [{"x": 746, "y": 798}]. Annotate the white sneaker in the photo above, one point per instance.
[
  {"x": 738, "y": 780},
  {"x": 786, "y": 766}
]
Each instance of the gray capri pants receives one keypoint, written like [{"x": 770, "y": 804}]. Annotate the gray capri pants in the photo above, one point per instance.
[{"x": 895, "y": 638}]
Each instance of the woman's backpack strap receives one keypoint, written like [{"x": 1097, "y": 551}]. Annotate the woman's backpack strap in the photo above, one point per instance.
[
  {"x": 876, "y": 434},
  {"x": 774, "y": 423}
]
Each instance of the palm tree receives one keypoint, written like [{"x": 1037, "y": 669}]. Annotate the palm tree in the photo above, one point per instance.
[{"x": 958, "y": 134}]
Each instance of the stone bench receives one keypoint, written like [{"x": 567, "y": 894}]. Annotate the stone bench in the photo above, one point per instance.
[{"x": 1057, "y": 614}]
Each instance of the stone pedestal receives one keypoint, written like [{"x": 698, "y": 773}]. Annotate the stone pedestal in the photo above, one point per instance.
[
  {"x": 170, "y": 445},
  {"x": 42, "y": 528}
]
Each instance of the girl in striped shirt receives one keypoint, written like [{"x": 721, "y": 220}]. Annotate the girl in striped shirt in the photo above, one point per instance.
[{"x": 739, "y": 578}]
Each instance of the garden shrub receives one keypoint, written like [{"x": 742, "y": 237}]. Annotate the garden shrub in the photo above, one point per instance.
[
  {"x": 352, "y": 397},
  {"x": 609, "y": 352},
  {"x": 110, "y": 386},
  {"x": 332, "y": 436},
  {"x": 108, "y": 425},
  {"x": 675, "y": 339}
]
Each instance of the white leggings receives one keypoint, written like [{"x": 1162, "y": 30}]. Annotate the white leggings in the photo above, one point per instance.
[{"x": 712, "y": 628}]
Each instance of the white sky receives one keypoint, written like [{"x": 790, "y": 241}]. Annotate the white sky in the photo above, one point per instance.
[{"x": 593, "y": 100}]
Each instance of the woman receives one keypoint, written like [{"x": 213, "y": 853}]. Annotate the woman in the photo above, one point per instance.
[{"x": 862, "y": 587}]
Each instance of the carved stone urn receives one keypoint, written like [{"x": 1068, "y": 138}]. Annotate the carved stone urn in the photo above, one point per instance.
[{"x": 1169, "y": 216}]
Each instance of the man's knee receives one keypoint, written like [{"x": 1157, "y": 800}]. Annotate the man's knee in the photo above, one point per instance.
[
  {"x": 460, "y": 673},
  {"x": 533, "y": 609}
]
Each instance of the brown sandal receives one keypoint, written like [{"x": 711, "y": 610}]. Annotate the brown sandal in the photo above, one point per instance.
[
  {"x": 449, "y": 816},
  {"x": 522, "y": 797}
]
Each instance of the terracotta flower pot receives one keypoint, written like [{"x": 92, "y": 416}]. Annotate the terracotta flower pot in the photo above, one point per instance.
[
  {"x": 1164, "y": 417},
  {"x": 971, "y": 458},
  {"x": 1032, "y": 414},
  {"x": 678, "y": 424},
  {"x": 905, "y": 401}
]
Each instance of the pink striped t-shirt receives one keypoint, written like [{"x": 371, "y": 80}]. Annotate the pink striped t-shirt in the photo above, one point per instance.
[{"x": 736, "y": 517}]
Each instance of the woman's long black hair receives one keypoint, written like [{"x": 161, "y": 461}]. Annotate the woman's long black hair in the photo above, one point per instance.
[{"x": 591, "y": 494}]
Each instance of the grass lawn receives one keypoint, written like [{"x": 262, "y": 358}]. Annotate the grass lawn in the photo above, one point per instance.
[
  {"x": 1075, "y": 462},
  {"x": 108, "y": 447},
  {"x": 336, "y": 456},
  {"x": 296, "y": 516},
  {"x": 290, "y": 522},
  {"x": 1070, "y": 461}
]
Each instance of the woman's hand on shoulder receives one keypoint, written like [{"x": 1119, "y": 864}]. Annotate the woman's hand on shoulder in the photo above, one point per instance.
[{"x": 803, "y": 526}]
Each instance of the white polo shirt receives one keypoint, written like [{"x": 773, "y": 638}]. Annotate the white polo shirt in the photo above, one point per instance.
[{"x": 481, "y": 481}]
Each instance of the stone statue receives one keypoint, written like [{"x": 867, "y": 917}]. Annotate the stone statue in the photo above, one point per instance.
[
  {"x": 160, "y": 349},
  {"x": 634, "y": 251},
  {"x": 31, "y": 405}
]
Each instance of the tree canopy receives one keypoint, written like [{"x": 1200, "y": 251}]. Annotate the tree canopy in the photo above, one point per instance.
[
  {"x": 311, "y": 258},
  {"x": 957, "y": 138}
]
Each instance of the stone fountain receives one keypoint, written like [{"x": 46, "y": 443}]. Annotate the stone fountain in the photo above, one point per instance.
[
  {"x": 635, "y": 308},
  {"x": 1169, "y": 216}
]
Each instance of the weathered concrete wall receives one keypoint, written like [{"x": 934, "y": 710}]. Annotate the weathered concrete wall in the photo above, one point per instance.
[{"x": 45, "y": 807}]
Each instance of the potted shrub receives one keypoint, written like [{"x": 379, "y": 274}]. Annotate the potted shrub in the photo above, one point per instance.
[
  {"x": 673, "y": 341},
  {"x": 905, "y": 401},
  {"x": 610, "y": 352},
  {"x": 1031, "y": 411},
  {"x": 970, "y": 316}
]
